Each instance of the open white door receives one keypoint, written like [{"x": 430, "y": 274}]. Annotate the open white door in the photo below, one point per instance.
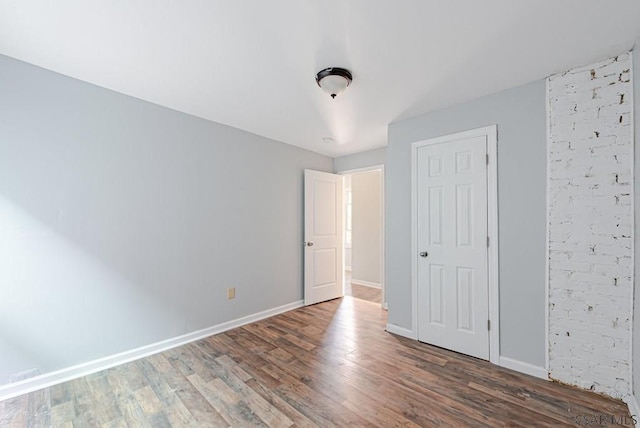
[{"x": 323, "y": 230}]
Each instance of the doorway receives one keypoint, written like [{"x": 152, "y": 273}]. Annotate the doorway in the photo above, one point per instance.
[{"x": 364, "y": 234}]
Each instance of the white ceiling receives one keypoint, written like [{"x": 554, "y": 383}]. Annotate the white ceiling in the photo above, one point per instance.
[{"x": 251, "y": 63}]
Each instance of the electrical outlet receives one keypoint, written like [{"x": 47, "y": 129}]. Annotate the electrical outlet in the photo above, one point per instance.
[{"x": 231, "y": 293}]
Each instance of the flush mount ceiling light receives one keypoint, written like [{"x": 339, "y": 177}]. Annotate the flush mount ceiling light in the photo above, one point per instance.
[{"x": 334, "y": 80}]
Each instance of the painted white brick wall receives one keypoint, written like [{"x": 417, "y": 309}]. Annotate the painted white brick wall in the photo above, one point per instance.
[{"x": 590, "y": 224}]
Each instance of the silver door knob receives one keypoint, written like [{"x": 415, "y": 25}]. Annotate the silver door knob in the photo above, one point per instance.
[
  {"x": 309, "y": 244},
  {"x": 424, "y": 254}
]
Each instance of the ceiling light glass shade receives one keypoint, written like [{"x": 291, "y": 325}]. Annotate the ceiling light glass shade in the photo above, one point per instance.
[
  {"x": 334, "y": 85},
  {"x": 334, "y": 80}
]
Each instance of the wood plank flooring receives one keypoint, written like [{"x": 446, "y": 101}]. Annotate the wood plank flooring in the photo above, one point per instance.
[
  {"x": 363, "y": 292},
  {"x": 330, "y": 364},
  {"x": 360, "y": 291}
]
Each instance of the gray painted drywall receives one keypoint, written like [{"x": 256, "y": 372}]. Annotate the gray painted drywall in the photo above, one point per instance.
[
  {"x": 360, "y": 160},
  {"x": 367, "y": 226},
  {"x": 521, "y": 118},
  {"x": 635, "y": 364},
  {"x": 122, "y": 223}
]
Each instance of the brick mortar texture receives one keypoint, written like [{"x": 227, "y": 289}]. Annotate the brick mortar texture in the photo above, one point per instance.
[{"x": 590, "y": 152}]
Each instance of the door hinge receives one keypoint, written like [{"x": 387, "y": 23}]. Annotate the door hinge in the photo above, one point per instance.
[
  {"x": 488, "y": 324},
  {"x": 487, "y": 241},
  {"x": 487, "y": 159}
]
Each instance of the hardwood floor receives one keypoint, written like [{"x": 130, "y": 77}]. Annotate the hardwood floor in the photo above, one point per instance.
[
  {"x": 361, "y": 291},
  {"x": 330, "y": 364}
]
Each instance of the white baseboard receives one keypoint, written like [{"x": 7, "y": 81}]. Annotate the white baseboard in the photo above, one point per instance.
[
  {"x": 510, "y": 363},
  {"x": 366, "y": 283},
  {"x": 522, "y": 367},
  {"x": 634, "y": 408},
  {"x": 401, "y": 331},
  {"x": 59, "y": 376}
]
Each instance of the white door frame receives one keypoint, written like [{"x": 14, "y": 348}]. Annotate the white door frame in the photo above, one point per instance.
[
  {"x": 491, "y": 133},
  {"x": 382, "y": 237}
]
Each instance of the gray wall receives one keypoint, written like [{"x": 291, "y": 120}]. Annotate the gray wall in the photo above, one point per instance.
[
  {"x": 521, "y": 118},
  {"x": 636, "y": 177},
  {"x": 360, "y": 160},
  {"x": 122, "y": 223}
]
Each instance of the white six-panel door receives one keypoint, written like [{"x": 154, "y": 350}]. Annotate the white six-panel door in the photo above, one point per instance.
[
  {"x": 453, "y": 293},
  {"x": 323, "y": 229}
]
